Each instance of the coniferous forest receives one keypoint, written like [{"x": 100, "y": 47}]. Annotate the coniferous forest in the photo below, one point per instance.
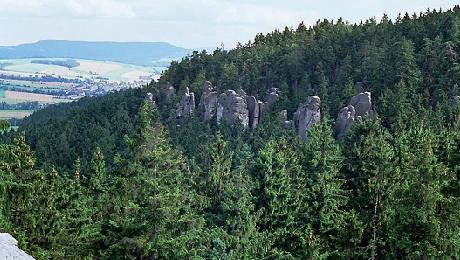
[{"x": 119, "y": 177}]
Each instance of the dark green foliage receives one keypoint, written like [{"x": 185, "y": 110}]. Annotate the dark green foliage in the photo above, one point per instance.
[{"x": 96, "y": 122}]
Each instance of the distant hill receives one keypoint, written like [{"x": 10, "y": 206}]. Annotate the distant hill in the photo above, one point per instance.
[{"x": 139, "y": 53}]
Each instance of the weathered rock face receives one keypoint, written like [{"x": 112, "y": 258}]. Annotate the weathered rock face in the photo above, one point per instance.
[
  {"x": 149, "y": 97},
  {"x": 283, "y": 117},
  {"x": 307, "y": 114},
  {"x": 167, "y": 93},
  {"x": 454, "y": 101},
  {"x": 261, "y": 109},
  {"x": 232, "y": 108},
  {"x": 272, "y": 96},
  {"x": 253, "y": 110},
  {"x": 362, "y": 104},
  {"x": 9, "y": 248},
  {"x": 208, "y": 102},
  {"x": 359, "y": 87},
  {"x": 359, "y": 107},
  {"x": 186, "y": 107},
  {"x": 345, "y": 120}
]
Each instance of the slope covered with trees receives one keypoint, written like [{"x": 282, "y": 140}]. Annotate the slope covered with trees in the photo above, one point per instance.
[{"x": 116, "y": 177}]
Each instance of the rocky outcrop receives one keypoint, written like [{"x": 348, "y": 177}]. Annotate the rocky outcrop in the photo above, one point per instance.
[
  {"x": 186, "y": 107},
  {"x": 253, "y": 110},
  {"x": 454, "y": 101},
  {"x": 261, "y": 109},
  {"x": 360, "y": 106},
  {"x": 208, "y": 102},
  {"x": 149, "y": 97},
  {"x": 9, "y": 248},
  {"x": 272, "y": 96},
  {"x": 345, "y": 120},
  {"x": 359, "y": 87},
  {"x": 167, "y": 93},
  {"x": 232, "y": 108},
  {"x": 283, "y": 117},
  {"x": 308, "y": 114}
]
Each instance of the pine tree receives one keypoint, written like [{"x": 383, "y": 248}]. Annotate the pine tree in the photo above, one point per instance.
[
  {"x": 420, "y": 221},
  {"x": 276, "y": 167},
  {"x": 368, "y": 164},
  {"x": 320, "y": 190}
]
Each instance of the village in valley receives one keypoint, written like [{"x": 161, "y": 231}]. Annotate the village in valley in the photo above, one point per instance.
[{"x": 30, "y": 84}]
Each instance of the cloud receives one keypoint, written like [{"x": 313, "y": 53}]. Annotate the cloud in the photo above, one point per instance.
[
  {"x": 66, "y": 8},
  {"x": 210, "y": 14},
  {"x": 182, "y": 22},
  {"x": 251, "y": 14}
]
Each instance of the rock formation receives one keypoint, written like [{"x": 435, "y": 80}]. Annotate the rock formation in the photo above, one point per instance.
[
  {"x": 306, "y": 115},
  {"x": 149, "y": 97},
  {"x": 283, "y": 117},
  {"x": 236, "y": 107},
  {"x": 363, "y": 104},
  {"x": 167, "y": 93},
  {"x": 208, "y": 102},
  {"x": 360, "y": 106},
  {"x": 9, "y": 248},
  {"x": 253, "y": 110},
  {"x": 359, "y": 87},
  {"x": 186, "y": 107},
  {"x": 232, "y": 108},
  {"x": 454, "y": 101},
  {"x": 345, "y": 120},
  {"x": 261, "y": 109},
  {"x": 272, "y": 96}
]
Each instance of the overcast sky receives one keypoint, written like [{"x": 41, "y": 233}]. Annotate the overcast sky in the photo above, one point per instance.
[{"x": 186, "y": 23}]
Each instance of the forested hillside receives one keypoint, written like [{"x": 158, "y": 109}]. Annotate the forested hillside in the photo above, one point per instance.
[{"x": 129, "y": 175}]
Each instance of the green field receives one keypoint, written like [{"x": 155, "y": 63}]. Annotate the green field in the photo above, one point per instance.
[
  {"x": 87, "y": 69},
  {"x": 14, "y": 91},
  {"x": 16, "y": 97},
  {"x": 7, "y": 114}
]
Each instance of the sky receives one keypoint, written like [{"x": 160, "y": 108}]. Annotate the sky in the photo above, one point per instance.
[{"x": 185, "y": 23}]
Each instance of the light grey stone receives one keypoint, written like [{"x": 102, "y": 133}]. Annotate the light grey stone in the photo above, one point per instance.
[
  {"x": 253, "y": 110},
  {"x": 362, "y": 104},
  {"x": 273, "y": 95},
  {"x": 454, "y": 101},
  {"x": 308, "y": 114},
  {"x": 208, "y": 102},
  {"x": 360, "y": 107},
  {"x": 9, "y": 248},
  {"x": 345, "y": 120},
  {"x": 186, "y": 107},
  {"x": 149, "y": 97},
  {"x": 167, "y": 93},
  {"x": 232, "y": 108}
]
